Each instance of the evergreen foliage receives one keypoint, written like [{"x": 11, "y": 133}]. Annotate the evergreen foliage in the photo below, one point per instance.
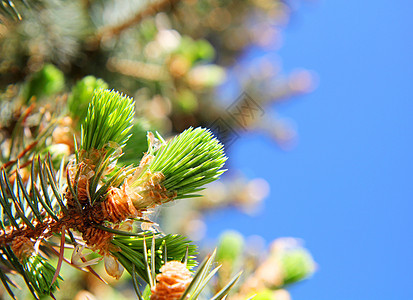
[
  {"x": 81, "y": 170},
  {"x": 45, "y": 206}
]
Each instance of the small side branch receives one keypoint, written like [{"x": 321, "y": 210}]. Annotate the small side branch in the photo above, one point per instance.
[{"x": 109, "y": 32}]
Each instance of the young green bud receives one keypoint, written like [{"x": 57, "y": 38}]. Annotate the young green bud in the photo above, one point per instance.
[
  {"x": 46, "y": 82},
  {"x": 230, "y": 247},
  {"x": 295, "y": 262},
  {"x": 229, "y": 254}
]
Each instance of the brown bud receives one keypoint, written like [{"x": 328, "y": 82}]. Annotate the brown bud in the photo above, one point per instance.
[
  {"x": 118, "y": 205},
  {"x": 172, "y": 282},
  {"x": 97, "y": 239}
]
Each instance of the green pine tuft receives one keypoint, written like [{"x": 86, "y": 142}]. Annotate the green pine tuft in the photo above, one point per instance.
[
  {"x": 109, "y": 119},
  {"x": 189, "y": 161}
]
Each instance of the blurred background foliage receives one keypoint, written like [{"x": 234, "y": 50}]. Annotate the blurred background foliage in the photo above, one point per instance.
[{"x": 184, "y": 64}]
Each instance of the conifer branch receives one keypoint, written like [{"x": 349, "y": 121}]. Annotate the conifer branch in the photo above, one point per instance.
[
  {"x": 100, "y": 200},
  {"x": 150, "y": 10}
]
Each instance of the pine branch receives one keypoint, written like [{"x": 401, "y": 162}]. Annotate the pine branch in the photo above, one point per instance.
[
  {"x": 112, "y": 31},
  {"x": 98, "y": 203},
  {"x": 138, "y": 69},
  {"x": 45, "y": 215}
]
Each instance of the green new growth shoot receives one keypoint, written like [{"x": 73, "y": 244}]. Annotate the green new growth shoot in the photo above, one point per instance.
[
  {"x": 108, "y": 121},
  {"x": 189, "y": 161}
]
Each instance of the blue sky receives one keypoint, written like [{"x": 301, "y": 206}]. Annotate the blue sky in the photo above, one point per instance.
[{"x": 346, "y": 188}]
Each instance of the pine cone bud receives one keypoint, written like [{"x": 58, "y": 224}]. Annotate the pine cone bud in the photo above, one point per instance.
[
  {"x": 172, "y": 281},
  {"x": 118, "y": 206},
  {"x": 97, "y": 239}
]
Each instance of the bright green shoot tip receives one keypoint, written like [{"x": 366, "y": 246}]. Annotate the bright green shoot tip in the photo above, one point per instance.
[
  {"x": 108, "y": 121},
  {"x": 189, "y": 161}
]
